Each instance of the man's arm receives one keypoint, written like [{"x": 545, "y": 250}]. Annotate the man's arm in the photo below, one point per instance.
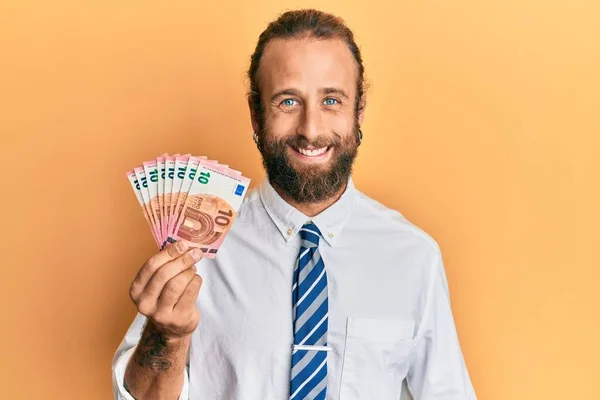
[
  {"x": 151, "y": 361},
  {"x": 437, "y": 367}
]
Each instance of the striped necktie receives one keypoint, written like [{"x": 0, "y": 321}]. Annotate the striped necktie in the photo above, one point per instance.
[{"x": 309, "y": 314}]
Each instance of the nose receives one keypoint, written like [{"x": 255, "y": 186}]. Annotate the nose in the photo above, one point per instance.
[{"x": 311, "y": 124}]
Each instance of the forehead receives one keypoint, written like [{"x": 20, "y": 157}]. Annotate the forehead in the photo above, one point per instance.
[{"x": 307, "y": 64}]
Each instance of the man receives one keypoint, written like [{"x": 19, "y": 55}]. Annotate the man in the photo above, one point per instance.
[{"x": 318, "y": 292}]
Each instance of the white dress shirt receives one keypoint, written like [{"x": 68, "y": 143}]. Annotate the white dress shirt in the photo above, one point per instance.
[{"x": 391, "y": 329}]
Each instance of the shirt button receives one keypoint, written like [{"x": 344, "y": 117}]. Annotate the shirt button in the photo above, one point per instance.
[
  {"x": 330, "y": 235},
  {"x": 290, "y": 231}
]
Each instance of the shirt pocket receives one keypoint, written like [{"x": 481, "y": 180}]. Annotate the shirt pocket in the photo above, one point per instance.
[{"x": 375, "y": 358}]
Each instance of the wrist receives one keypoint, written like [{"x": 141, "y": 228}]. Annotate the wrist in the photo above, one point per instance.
[{"x": 169, "y": 339}]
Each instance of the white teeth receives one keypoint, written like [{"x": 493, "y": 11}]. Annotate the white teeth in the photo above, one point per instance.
[{"x": 312, "y": 153}]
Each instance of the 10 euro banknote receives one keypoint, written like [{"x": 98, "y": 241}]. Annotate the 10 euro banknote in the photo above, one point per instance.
[{"x": 189, "y": 198}]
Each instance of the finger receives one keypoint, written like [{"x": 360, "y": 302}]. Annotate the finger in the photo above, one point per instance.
[
  {"x": 169, "y": 253},
  {"x": 190, "y": 294},
  {"x": 170, "y": 270},
  {"x": 174, "y": 288}
]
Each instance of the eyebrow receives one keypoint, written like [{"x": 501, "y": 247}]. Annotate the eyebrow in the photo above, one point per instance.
[
  {"x": 333, "y": 90},
  {"x": 287, "y": 92},
  {"x": 296, "y": 92}
]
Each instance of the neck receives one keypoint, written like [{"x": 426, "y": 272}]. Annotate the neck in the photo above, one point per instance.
[{"x": 311, "y": 209}]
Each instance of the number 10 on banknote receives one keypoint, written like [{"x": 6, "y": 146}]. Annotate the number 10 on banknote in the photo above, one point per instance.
[{"x": 189, "y": 198}]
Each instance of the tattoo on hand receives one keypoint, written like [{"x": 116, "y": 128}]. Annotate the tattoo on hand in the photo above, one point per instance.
[{"x": 151, "y": 352}]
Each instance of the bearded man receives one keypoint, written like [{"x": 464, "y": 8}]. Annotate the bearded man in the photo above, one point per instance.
[{"x": 318, "y": 291}]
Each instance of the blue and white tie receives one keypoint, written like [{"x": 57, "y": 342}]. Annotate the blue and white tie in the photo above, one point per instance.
[{"x": 309, "y": 315}]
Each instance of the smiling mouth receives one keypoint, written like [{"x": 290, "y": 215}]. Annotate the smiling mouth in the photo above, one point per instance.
[{"x": 311, "y": 152}]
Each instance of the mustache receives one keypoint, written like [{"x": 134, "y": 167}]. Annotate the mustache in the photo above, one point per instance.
[{"x": 299, "y": 141}]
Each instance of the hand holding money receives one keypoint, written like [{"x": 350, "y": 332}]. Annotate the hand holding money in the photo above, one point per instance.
[
  {"x": 190, "y": 204},
  {"x": 188, "y": 198}
]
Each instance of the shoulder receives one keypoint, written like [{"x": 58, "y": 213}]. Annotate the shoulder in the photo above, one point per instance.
[
  {"x": 393, "y": 224},
  {"x": 251, "y": 200},
  {"x": 252, "y": 210},
  {"x": 408, "y": 247}
]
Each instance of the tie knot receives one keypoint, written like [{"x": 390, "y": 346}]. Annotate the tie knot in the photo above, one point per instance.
[{"x": 309, "y": 233}]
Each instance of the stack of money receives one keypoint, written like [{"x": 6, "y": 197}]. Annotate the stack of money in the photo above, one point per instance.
[{"x": 189, "y": 198}]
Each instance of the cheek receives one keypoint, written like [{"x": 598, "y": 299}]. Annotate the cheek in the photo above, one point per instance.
[
  {"x": 342, "y": 125},
  {"x": 282, "y": 124}
]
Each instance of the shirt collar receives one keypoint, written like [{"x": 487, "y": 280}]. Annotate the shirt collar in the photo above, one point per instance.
[{"x": 289, "y": 220}]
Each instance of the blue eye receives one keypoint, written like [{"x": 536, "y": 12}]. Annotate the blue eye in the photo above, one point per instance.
[
  {"x": 330, "y": 101},
  {"x": 288, "y": 102}
]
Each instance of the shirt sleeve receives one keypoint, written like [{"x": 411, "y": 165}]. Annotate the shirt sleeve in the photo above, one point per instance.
[
  {"x": 437, "y": 368},
  {"x": 124, "y": 353}
]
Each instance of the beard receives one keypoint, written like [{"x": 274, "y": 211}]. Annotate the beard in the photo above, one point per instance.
[{"x": 308, "y": 184}]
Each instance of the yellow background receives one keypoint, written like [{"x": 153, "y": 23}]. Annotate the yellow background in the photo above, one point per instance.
[{"x": 482, "y": 127}]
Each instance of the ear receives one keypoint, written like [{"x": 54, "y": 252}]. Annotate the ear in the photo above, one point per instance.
[
  {"x": 361, "y": 110},
  {"x": 253, "y": 116}
]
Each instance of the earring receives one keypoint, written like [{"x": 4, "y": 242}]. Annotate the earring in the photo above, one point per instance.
[{"x": 360, "y": 136}]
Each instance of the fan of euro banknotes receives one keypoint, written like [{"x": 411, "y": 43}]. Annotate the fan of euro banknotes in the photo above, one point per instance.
[{"x": 189, "y": 198}]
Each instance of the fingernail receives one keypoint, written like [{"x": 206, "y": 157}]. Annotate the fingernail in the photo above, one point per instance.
[
  {"x": 181, "y": 246},
  {"x": 197, "y": 254},
  {"x": 194, "y": 267}
]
